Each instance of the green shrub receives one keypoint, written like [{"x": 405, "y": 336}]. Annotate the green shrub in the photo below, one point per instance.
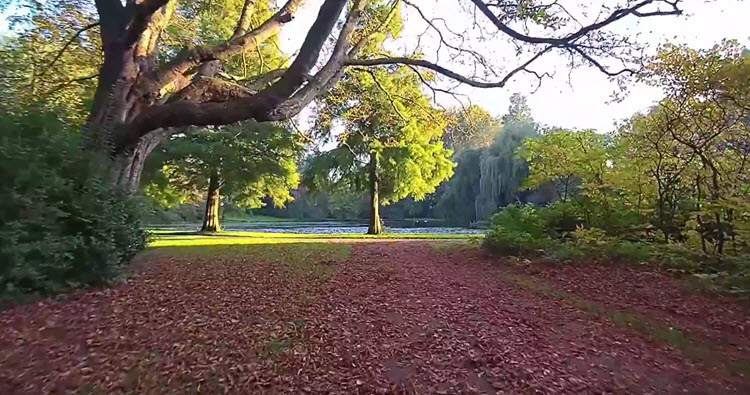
[
  {"x": 517, "y": 230},
  {"x": 62, "y": 223},
  {"x": 561, "y": 217}
]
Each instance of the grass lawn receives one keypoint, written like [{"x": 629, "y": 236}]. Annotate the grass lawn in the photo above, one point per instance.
[{"x": 163, "y": 238}]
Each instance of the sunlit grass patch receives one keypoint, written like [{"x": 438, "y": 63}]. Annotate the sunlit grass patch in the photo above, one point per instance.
[{"x": 170, "y": 237}]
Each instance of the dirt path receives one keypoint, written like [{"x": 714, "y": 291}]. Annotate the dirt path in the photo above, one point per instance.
[{"x": 393, "y": 317}]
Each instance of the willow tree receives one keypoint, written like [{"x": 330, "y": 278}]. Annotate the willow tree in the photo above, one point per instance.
[
  {"x": 152, "y": 81},
  {"x": 501, "y": 170},
  {"x": 243, "y": 163},
  {"x": 390, "y": 144}
]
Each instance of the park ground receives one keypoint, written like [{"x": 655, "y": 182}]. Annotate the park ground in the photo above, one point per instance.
[{"x": 251, "y": 314}]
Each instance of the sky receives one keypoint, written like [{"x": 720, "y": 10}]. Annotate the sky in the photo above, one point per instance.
[{"x": 579, "y": 98}]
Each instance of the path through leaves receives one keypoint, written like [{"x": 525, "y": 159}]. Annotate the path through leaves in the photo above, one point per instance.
[{"x": 392, "y": 317}]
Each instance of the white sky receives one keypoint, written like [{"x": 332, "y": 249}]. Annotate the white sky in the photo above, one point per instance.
[{"x": 584, "y": 101}]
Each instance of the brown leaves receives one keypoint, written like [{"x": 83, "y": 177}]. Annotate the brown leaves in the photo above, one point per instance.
[{"x": 394, "y": 317}]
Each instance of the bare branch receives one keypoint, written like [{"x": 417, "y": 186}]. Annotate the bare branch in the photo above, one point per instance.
[
  {"x": 568, "y": 39},
  {"x": 446, "y": 72},
  {"x": 66, "y": 45},
  {"x": 70, "y": 82},
  {"x": 599, "y": 66}
]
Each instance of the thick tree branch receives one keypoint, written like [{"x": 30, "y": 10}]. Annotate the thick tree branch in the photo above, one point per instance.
[
  {"x": 141, "y": 17},
  {"x": 331, "y": 72},
  {"x": 210, "y": 89},
  {"x": 192, "y": 57},
  {"x": 243, "y": 24},
  {"x": 111, "y": 17},
  {"x": 307, "y": 58},
  {"x": 260, "y": 107}
]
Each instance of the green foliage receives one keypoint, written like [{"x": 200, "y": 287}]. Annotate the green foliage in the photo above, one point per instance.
[
  {"x": 501, "y": 170},
  {"x": 383, "y": 113},
  {"x": 62, "y": 224},
  {"x": 457, "y": 201},
  {"x": 491, "y": 176},
  {"x": 517, "y": 230},
  {"x": 253, "y": 161},
  {"x": 34, "y": 71}
]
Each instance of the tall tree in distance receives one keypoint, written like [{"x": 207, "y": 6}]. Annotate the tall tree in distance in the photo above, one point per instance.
[
  {"x": 470, "y": 128},
  {"x": 390, "y": 145},
  {"x": 243, "y": 163}
]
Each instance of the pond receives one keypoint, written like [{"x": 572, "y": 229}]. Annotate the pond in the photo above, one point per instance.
[{"x": 333, "y": 227}]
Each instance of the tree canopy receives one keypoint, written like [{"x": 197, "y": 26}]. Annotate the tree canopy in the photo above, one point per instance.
[
  {"x": 242, "y": 163},
  {"x": 390, "y": 142}
]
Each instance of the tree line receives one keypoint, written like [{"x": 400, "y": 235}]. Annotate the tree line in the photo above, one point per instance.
[{"x": 107, "y": 99}]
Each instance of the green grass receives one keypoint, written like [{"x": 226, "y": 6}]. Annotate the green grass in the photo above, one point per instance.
[{"x": 164, "y": 238}]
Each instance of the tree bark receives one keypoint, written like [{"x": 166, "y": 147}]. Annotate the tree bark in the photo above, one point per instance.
[
  {"x": 211, "y": 220},
  {"x": 375, "y": 227}
]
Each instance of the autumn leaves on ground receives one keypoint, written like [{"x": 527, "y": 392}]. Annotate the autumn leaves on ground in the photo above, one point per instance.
[{"x": 405, "y": 316}]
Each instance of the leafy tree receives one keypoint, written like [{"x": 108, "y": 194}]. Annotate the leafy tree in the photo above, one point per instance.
[
  {"x": 390, "y": 144},
  {"x": 161, "y": 58},
  {"x": 243, "y": 163},
  {"x": 35, "y": 71},
  {"x": 681, "y": 168},
  {"x": 488, "y": 178},
  {"x": 704, "y": 119},
  {"x": 472, "y": 128},
  {"x": 501, "y": 170},
  {"x": 457, "y": 203}
]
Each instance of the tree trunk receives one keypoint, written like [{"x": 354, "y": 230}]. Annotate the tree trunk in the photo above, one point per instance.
[
  {"x": 375, "y": 227},
  {"x": 128, "y": 166},
  {"x": 211, "y": 221}
]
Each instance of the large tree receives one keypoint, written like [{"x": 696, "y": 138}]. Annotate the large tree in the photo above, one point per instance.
[
  {"x": 242, "y": 163},
  {"x": 390, "y": 145},
  {"x": 148, "y": 88}
]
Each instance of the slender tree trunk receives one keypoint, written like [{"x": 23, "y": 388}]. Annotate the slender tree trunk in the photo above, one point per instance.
[
  {"x": 211, "y": 221},
  {"x": 375, "y": 227}
]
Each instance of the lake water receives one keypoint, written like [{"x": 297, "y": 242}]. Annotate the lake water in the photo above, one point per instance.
[{"x": 333, "y": 227}]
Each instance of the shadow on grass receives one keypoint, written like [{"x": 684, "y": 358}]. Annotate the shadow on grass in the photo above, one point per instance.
[{"x": 311, "y": 258}]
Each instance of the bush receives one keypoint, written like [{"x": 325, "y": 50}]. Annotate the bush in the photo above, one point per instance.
[
  {"x": 561, "y": 217},
  {"x": 517, "y": 230},
  {"x": 62, "y": 223}
]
